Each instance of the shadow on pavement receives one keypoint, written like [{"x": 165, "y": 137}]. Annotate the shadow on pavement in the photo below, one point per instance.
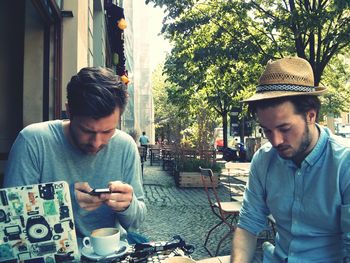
[{"x": 181, "y": 211}]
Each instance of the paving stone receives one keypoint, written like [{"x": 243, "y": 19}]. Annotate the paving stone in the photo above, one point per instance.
[{"x": 181, "y": 211}]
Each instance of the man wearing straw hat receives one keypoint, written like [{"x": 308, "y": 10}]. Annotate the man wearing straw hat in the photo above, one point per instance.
[{"x": 301, "y": 177}]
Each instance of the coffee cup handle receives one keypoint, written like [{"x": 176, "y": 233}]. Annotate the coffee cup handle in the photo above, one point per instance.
[{"x": 86, "y": 242}]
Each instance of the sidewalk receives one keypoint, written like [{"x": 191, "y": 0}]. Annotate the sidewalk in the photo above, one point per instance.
[{"x": 180, "y": 211}]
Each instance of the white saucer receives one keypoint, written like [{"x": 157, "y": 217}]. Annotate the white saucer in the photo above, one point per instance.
[{"x": 89, "y": 252}]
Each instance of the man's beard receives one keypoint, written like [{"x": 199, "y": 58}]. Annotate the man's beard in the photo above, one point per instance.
[
  {"x": 300, "y": 153},
  {"x": 82, "y": 147}
]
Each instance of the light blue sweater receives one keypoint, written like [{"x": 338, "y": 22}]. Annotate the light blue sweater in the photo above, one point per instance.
[{"x": 42, "y": 153}]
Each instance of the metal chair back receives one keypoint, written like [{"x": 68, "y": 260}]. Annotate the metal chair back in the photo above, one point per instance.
[{"x": 210, "y": 189}]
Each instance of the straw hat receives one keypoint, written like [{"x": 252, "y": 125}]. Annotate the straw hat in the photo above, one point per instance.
[{"x": 291, "y": 76}]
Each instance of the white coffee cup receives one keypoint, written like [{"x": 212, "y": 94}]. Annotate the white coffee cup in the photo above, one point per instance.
[{"x": 103, "y": 241}]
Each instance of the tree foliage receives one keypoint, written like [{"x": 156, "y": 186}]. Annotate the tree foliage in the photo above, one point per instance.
[
  {"x": 314, "y": 30},
  {"x": 169, "y": 122},
  {"x": 220, "y": 46},
  {"x": 336, "y": 79},
  {"x": 181, "y": 123},
  {"x": 206, "y": 59}
]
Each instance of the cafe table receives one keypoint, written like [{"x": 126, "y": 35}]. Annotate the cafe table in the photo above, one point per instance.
[
  {"x": 221, "y": 259},
  {"x": 236, "y": 169},
  {"x": 152, "y": 252}
]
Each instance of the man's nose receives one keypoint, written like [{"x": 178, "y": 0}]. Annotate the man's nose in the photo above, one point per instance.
[
  {"x": 96, "y": 140},
  {"x": 276, "y": 138}
]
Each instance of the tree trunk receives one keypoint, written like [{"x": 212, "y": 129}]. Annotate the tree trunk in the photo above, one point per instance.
[{"x": 224, "y": 127}]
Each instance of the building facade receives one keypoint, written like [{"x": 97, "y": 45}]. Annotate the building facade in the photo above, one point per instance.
[{"x": 44, "y": 43}]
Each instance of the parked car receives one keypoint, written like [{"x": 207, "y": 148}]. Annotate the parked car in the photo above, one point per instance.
[
  {"x": 219, "y": 144},
  {"x": 218, "y": 141},
  {"x": 342, "y": 130}
]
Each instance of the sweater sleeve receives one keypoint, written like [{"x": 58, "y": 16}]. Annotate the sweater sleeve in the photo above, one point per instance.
[
  {"x": 132, "y": 217},
  {"x": 23, "y": 165}
]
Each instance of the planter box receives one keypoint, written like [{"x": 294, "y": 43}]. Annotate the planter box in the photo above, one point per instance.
[{"x": 193, "y": 179}]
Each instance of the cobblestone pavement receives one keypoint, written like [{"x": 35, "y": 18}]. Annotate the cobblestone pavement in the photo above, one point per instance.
[{"x": 181, "y": 211}]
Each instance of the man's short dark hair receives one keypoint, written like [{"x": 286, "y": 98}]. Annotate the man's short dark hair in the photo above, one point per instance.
[
  {"x": 95, "y": 92},
  {"x": 302, "y": 104}
]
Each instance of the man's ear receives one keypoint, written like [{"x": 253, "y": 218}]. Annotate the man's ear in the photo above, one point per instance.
[
  {"x": 311, "y": 116},
  {"x": 67, "y": 110}
]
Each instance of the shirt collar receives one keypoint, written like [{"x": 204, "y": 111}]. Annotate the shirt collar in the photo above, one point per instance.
[{"x": 317, "y": 151}]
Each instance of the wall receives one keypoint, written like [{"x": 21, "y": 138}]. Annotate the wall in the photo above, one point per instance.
[
  {"x": 69, "y": 46},
  {"x": 129, "y": 121},
  {"x": 11, "y": 70},
  {"x": 139, "y": 116},
  {"x": 83, "y": 36},
  {"x": 79, "y": 47},
  {"x": 33, "y": 75},
  {"x": 99, "y": 35}
]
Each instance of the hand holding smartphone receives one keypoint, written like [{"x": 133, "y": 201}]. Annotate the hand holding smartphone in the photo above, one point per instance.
[{"x": 98, "y": 191}]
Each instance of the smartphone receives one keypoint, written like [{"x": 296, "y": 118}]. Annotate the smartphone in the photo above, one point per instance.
[{"x": 98, "y": 191}]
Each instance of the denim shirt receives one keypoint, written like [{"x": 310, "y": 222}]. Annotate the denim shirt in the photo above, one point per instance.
[{"x": 311, "y": 204}]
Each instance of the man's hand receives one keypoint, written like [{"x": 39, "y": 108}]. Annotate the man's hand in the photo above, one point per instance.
[
  {"x": 86, "y": 201},
  {"x": 120, "y": 197}
]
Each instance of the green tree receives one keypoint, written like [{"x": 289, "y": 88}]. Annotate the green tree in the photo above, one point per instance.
[
  {"x": 223, "y": 43},
  {"x": 314, "y": 30},
  {"x": 336, "y": 79},
  {"x": 206, "y": 59},
  {"x": 176, "y": 121},
  {"x": 201, "y": 129},
  {"x": 168, "y": 123}
]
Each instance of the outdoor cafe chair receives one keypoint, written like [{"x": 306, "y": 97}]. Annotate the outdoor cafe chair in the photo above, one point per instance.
[
  {"x": 169, "y": 158},
  {"x": 155, "y": 154},
  {"x": 227, "y": 212}
]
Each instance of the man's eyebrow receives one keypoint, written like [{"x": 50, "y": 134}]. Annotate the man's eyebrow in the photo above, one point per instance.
[
  {"x": 89, "y": 130},
  {"x": 109, "y": 130},
  {"x": 278, "y": 126},
  {"x": 86, "y": 129}
]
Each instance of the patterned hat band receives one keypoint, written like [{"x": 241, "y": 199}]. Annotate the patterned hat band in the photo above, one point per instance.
[{"x": 284, "y": 87}]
